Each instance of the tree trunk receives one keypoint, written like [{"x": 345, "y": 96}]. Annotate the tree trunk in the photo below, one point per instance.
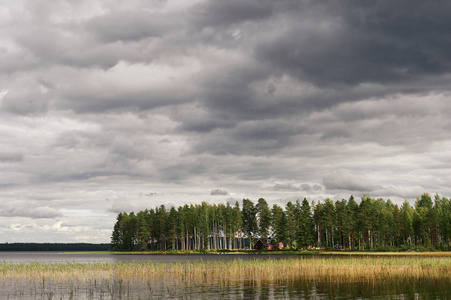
[{"x": 349, "y": 240}]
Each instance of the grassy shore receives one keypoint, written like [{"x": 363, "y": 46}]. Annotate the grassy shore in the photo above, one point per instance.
[
  {"x": 283, "y": 252},
  {"x": 368, "y": 274},
  {"x": 339, "y": 268}
]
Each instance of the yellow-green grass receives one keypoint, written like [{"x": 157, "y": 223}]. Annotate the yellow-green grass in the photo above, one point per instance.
[
  {"x": 335, "y": 268},
  {"x": 328, "y": 274},
  {"x": 363, "y": 253}
]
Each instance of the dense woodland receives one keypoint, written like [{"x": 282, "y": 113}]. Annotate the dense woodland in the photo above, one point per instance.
[{"x": 371, "y": 224}]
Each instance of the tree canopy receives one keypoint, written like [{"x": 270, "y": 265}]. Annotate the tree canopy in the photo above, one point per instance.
[{"x": 370, "y": 224}]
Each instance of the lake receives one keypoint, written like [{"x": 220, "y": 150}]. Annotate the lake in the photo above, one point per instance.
[
  {"x": 61, "y": 257},
  {"x": 51, "y": 275}
]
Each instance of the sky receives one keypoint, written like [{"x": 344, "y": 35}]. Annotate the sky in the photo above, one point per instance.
[{"x": 109, "y": 106}]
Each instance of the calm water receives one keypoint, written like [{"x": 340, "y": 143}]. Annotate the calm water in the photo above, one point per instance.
[
  {"x": 295, "y": 288},
  {"x": 58, "y": 257}
]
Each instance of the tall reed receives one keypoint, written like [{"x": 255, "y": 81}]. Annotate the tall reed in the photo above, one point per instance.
[
  {"x": 122, "y": 278},
  {"x": 340, "y": 268}
]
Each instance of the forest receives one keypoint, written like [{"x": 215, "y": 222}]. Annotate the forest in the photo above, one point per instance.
[{"x": 370, "y": 224}]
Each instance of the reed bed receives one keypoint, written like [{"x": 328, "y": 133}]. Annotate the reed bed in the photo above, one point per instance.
[
  {"x": 343, "y": 268},
  {"x": 404, "y": 253},
  {"x": 121, "y": 278}
]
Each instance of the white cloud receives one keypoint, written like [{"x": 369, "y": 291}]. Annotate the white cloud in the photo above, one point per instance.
[
  {"x": 3, "y": 93},
  {"x": 43, "y": 212},
  {"x": 122, "y": 205}
]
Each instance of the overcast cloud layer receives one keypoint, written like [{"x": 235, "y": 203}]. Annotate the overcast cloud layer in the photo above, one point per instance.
[{"x": 110, "y": 106}]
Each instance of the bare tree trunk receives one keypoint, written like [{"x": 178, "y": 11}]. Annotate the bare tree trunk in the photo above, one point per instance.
[
  {"x": 349, "y": 240},
  {"x": 319, "y": 235}
]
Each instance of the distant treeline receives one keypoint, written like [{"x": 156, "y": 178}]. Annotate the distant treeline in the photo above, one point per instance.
[
  {"x": 372, "y": 224},
  {"x": 54, "y": 247}
]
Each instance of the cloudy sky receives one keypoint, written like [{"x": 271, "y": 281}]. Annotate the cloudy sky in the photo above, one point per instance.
[{"x": 110, "y": 106}]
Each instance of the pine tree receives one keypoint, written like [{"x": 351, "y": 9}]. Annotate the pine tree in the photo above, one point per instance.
[
  {"x": 318, "y": 212},
  {"x": 406, "y": 228},
  {"x": 370, "y": 224},
  {"x": 173, "y": 227},
  {"x": 279, "y": 223},
  {"x": 306, "y": 225},
  {"x": 329, "y": 222},
  {"x": 353, "y": 211},
  {"x": 292, "y": 222},
  {"x": 143, "y": 228},
  {"x": 204, "y": 227},
  {"x": 249, "y": 220},
  {"x": 237, "y": 225},
  {"x": 264, "y": 218},
  {"x": 117, "y": 236}
]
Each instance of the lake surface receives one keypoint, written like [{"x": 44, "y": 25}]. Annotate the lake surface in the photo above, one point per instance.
[
  {"x": 114, "y": 287},
  {"x": 61, "y": 257}
]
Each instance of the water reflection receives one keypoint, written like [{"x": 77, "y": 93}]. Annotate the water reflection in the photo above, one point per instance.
[
  {"x": 307, "y": 289},
  {"x": 109, "y": 286},
  {"x": 61, "y": 257},
  {"x": 299, "y": 288}
]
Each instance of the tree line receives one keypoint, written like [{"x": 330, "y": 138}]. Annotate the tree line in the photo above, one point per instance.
[{"x": 371, "y": 224}]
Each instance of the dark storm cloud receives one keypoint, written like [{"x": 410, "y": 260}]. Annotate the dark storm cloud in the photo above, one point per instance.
[
  {"x": 218, "y": 192},
  {"x": 261, "y": 137},
  {"x": 201, "y": 120},
  {"x": 355, "y": 42},
  {"x": 88, "y": 103},
  {"x": 205, "y": 125},
  {"x": 223, "y": 143},
  {"x": 218, "y": 13},
  {"x": 228, "y": 89},
  {"x": 344, "y": 180},
  {"x": 339, "y": 52},
  {"x": 273, "y": 99},
  {"x": 183, "y": 171}
]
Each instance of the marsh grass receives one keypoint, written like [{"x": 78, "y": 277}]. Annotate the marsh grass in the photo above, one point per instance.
[{"x": 354, "y": 276}]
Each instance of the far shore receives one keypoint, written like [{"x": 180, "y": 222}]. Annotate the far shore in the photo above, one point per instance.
[{"x": 282, "y": 252}]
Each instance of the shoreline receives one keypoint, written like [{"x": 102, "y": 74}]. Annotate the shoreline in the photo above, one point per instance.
[{"x": 288, "y": 253}]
